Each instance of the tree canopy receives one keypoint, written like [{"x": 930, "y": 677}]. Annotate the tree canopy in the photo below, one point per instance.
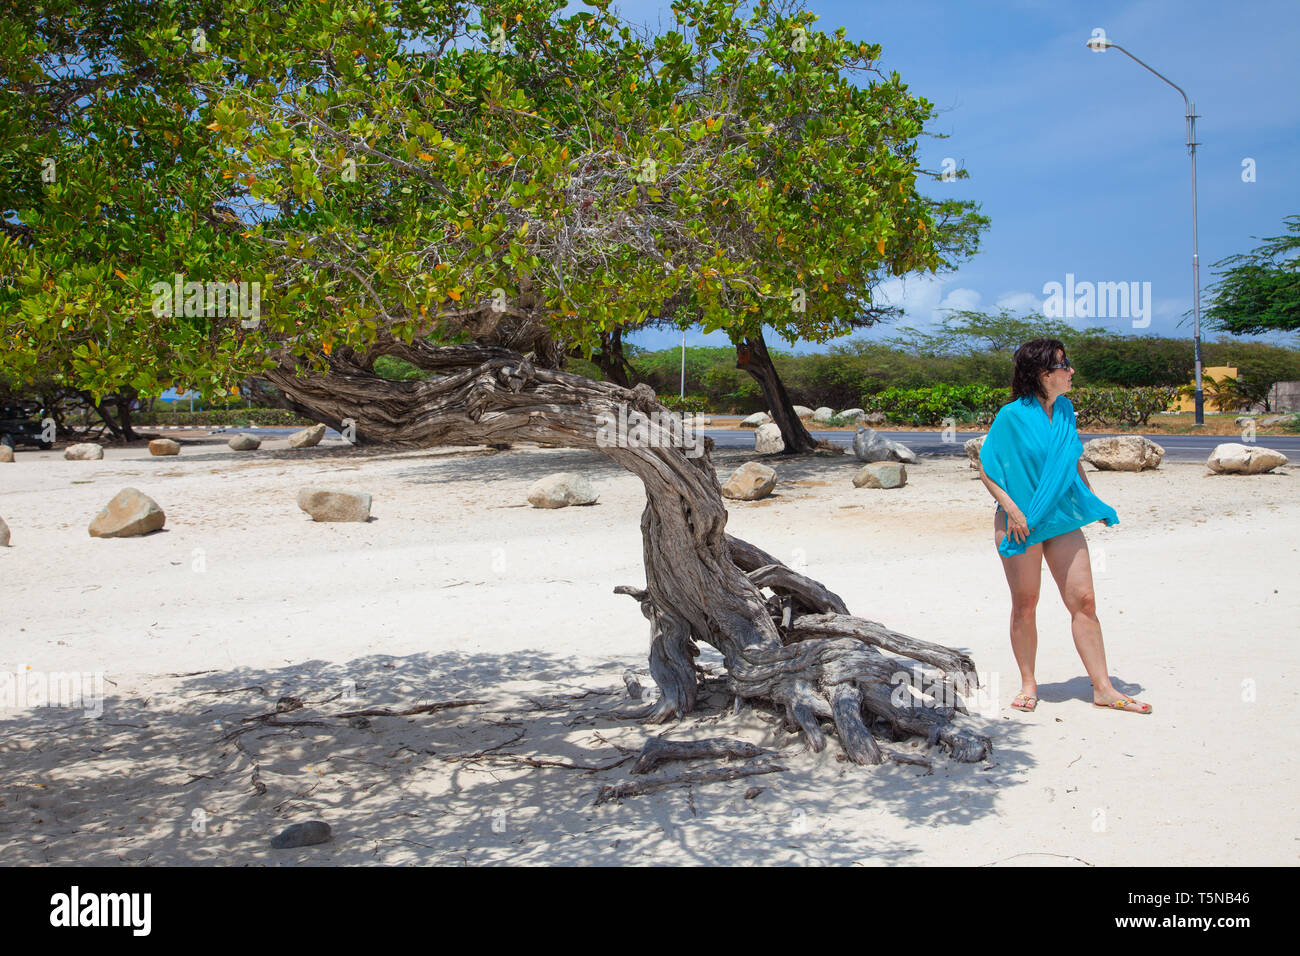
[{"x": 1259, "y": 291}]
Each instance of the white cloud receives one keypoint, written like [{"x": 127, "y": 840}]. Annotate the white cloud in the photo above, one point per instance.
[{"x": 1020, "y": 302}]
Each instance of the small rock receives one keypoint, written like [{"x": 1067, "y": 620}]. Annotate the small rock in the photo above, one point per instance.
[
  {"x": 1123, "y": 453},
  {"x": 308, "y": 437},
  {"x": 803, "y": 411},
  {"x": 634, "y": 689},
  {"x": 768, "y": 440},
  {"x": 164, "y": 446},
  {"x": 6, "y": 453},
  {"x": 823, "y": 414},
  {"x": 1268, "y": 420},
  {"x": 560, "y": 490},
  {"x": 359, "y": 723},
  {"x": 1232, "y": 458},
  {"x": 303, "y": 834},
  {"x": 325, "y": 505},
  {"x": 756, "y": 419},
  {"x": 130, "y": 513},
  {"x": 881, "y": 474},
  {"x": 4, "y": 534},
  {"x": 874, "y": 418},
  {"x": 852, "y": 414},
  {"x": 972, "y": 447},
  {"x": 86, "y": 451},
  {"x": 244, "y": 442},
  {"x": 1241, "y": 420},
  {"x": 749, "y": 482}
]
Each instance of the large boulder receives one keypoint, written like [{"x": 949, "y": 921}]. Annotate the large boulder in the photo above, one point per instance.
[
  {"x": 869, "y": 446},
  {"x": 130, "y": 513},
  {"x": 1268, "y": 420},
  {"x": 874, "y": 418},
  {"x": 308, "y": 437},
  {"x": 851, "y": 414},
  {"x": 881, "y": 474},
  {"x": 823, "y": 414},
  {"x": 86, "y": 451},
  {"x": 1123, "y": 453},
  {"x": 6, "y": 453},
  {"x": 244, "y": 442},
  {"x": 560, "y": 490},
  {"x": 164, "y": 446},
  {"x": 972, "y": 446},
  {"x": 4, "y": 534},
  {"x": 768, "y": 440},
  {"x": 803, "y": 411},
  {"x": 749, "y": 482},
  {"x": 756, "y": 419},
  {"x": 1232, "y": 458},
  {"x": 326, "y": 505}
]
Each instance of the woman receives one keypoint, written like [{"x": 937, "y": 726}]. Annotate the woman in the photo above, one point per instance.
[{"x": 1029, "y": 462}]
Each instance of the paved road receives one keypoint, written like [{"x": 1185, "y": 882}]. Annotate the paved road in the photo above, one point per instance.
[{"x": 1177, "y": 447}]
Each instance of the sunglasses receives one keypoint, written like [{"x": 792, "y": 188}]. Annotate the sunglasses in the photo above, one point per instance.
[{"x": 1053, "y": 368}]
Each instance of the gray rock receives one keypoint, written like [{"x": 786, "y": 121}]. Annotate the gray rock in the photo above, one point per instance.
[
  {"x": 86, "y": 451},
  {"x": 749, "y": 482},
  {"x": 852, "y": 414},
  {"x": 1268, "y": 420},
  {"x": 1232, "y": 458},
  {"x": 1241, "y": 420},
  {"x": 768, "y": 440},
  {"x": 244, "y": 442},
  {"x": 972, "y": 446},
  {"x": 881, "y": 474},
  {"x": 560, "y": 490},
  {"x": 4, "y": 534},
  {"x": 6, "y": 453},
  {"x": 869, "y": 446},
  {"x": 162, "y": 447},
  {"x": 302, "y": 834},
  {"x": 326, "y": 505},
  {"x": 756, "y": 419},
  {"x": 823, "y": 414},
  {"x": 308, "y": 437},
  {"x": 874, "y": 418},
  {"x": 803, "y": 411},
  {"x": 1123, "y": 453},
  {"x": 129, "y": 514}
]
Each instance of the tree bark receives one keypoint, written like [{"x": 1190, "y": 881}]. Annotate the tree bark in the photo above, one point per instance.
[
  {"x": 798, "y": 649},
  {"x": 752, "y": 356}
]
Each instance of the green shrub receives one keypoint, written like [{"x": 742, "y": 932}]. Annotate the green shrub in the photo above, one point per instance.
[
  {"x": 236, "y": 417},
  {"x": 1120, "y": 406},
  {"x": 966, "y": 404},
  {"x": 691, "y": 403}
]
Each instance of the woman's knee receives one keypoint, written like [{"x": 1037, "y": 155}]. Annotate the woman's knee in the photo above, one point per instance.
[
  {"x": 1082, "y": 602},
  {"x": 1024, "y": 603}
]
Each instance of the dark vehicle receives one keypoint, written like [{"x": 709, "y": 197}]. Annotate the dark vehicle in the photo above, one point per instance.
[{"x": 20, "y": 424}]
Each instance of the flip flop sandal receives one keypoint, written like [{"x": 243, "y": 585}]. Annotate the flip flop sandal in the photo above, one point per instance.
[
  {"x": 1026, "y": 698},
  {"x": 1122, "y": 704}
]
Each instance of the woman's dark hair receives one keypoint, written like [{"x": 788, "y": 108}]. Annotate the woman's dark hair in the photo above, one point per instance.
[{"x": 1032, "y": 359}]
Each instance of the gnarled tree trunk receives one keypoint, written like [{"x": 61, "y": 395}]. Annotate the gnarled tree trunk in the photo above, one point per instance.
[
  {"x": 798, "y": 648},
  {"x": 752, "y": 356}
]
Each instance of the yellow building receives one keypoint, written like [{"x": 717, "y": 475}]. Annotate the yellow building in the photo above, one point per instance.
[{"x": 1188, "y": 403}]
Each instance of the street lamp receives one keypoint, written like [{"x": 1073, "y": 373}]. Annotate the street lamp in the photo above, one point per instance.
[{"x": 1101, "y": 45}]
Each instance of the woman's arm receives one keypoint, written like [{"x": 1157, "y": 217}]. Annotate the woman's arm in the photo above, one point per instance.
[
  {"x": 1017, "y": 526},
  {"x": 1079, "y": 464}
]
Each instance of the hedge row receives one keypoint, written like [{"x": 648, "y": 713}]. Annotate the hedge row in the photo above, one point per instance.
[
  {"x": 977, "y": 404},
  {"x": 237, "y": 417}
]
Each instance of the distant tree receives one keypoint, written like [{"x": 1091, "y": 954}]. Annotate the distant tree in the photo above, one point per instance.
[{"x": 1259, "y": 291}]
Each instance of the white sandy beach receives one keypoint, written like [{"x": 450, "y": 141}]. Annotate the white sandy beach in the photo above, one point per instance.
[{"x": 457, "y": 589}]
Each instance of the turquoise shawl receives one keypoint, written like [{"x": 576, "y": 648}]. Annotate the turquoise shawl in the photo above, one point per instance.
[{"x": 1035, "y": 462}]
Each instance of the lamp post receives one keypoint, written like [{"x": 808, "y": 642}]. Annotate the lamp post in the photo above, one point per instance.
[
  {"x": 1101, "y": 45},
  {"x": 683, "y": 395}
]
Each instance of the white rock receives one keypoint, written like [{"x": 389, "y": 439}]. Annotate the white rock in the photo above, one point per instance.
[
  {"x": 1123, "y": 453},
  {"x": 869, "y": 446},
  {"x": 244, "y": 442},
  {"x": 164, "y": 446},
  {"x": 874, "y": 418},
  {"x": 823, "y": 414},
  {"x": 756, "y": 419},
  {"x": 86, "y": 451},
  {"x": 326, "y": 505},
  {"x": 768, "y": 440},
  {"x": 6, "y": 453},
  {"x": 803, "y": 411},
  {"x": 560, "y": 490},
  {"x": 1232, "y": 458},
  {"x": 852, "y": 414},
  {"x": 1272, "y": 420},
  {"x": 308, "y": 437},
  {"x": 130, "y": 513},
  {"x": 972, "y": 446},
  {"x": 749, "y": 482}
]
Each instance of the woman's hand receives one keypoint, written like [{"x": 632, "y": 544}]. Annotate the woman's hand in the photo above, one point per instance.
[{"x": 1017, "y": 527}]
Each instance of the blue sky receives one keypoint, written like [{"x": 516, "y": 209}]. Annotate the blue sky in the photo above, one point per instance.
[{"x": 1079, "y": 158}]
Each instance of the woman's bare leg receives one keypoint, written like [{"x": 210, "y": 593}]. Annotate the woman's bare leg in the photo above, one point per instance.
[
  {"x": 1068, "y": 560},
  {"x": 1024, "y": 576}
]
